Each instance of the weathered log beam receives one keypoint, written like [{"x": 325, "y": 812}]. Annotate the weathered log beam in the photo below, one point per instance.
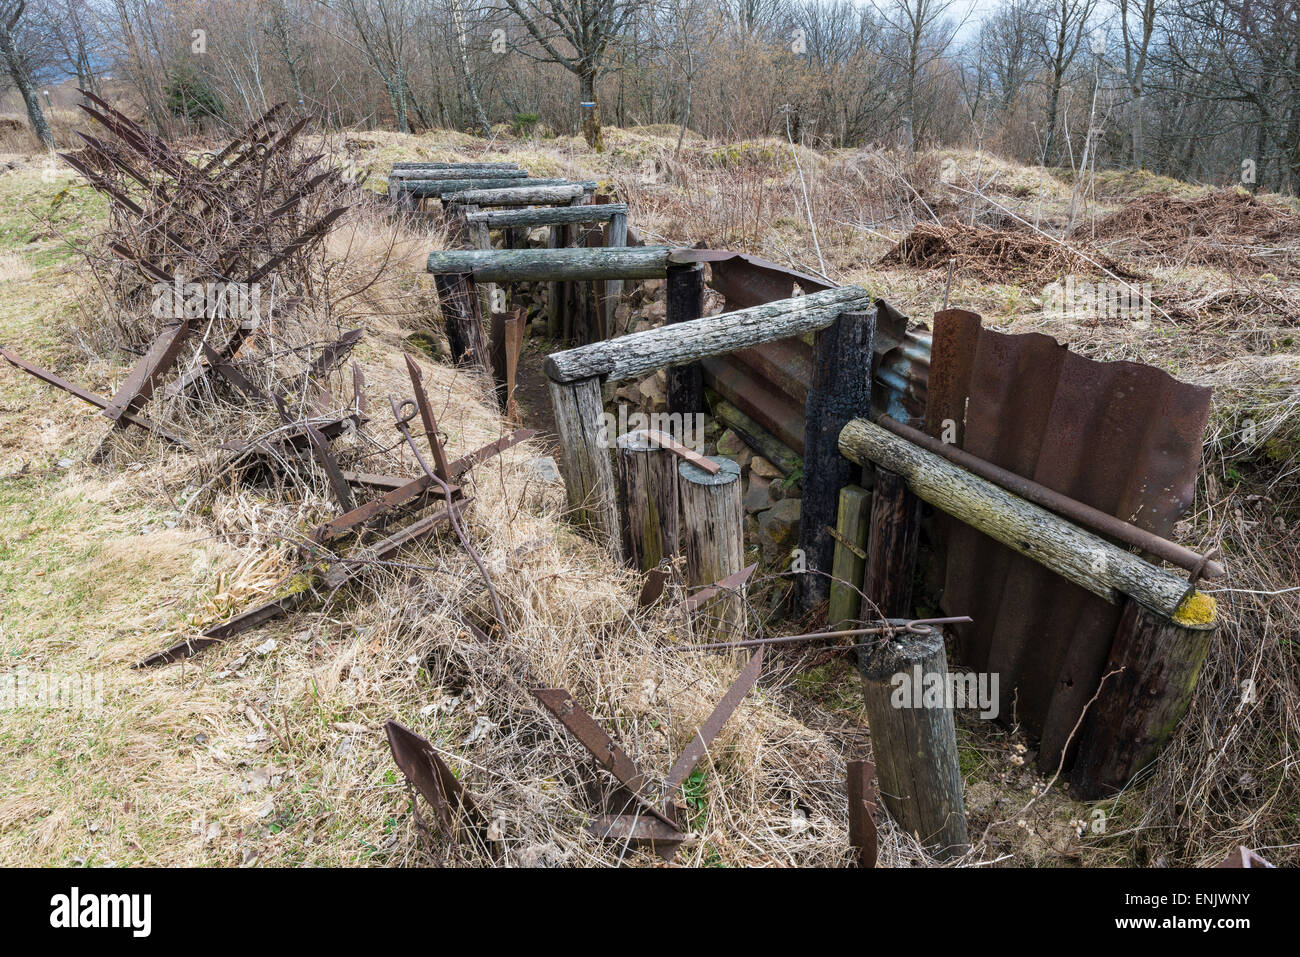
[
  {"x": 457, "y": 184},
  {"x": 524, "y": 193},
  {"x": 546, "y": 216},
  {"x": 755, "y": 435},
  {"x": 539, "y": 265},
  {"x": 634, "y": 355},
  {"x": 460, "y": 172},
  {"x": 429, "y": 164},
  {"x": 1079, "y": 556}
]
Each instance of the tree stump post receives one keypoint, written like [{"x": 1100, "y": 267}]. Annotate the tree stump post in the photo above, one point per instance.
[
  {"x": 914, "y": 738},
  {"x": 585, "y": 459},
  {"x": 850, "y": 562},
  {"x": 713, "y": 530},
  {"x": 1137, "y": 710},
  {"x": 891, "y": 546},
  {"x": 647, "y": 500},
  {"x": 684, "y": 301},
  {"x": 840, "y": 390}
]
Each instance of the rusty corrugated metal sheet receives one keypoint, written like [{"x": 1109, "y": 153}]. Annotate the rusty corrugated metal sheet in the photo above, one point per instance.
[
  {"x": 770, "y": 382},
  {"x": 1122, "y": 437}
]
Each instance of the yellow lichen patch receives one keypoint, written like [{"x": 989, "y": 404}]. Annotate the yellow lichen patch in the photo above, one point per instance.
[{"x": 1197, "y": 609}]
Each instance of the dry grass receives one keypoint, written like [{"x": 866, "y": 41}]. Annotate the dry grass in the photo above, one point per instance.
[{"x": 277, "y": 756}]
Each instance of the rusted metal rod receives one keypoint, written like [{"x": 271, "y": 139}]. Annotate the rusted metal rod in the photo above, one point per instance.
[
  {"x": 1071, "y": 508},
  {"x": 918, "y": 626}
]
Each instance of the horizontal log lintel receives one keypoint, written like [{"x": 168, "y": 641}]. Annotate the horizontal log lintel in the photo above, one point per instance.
[
  {"x": 1054, "y": 542},
  {"x": 527, "y": 192},
  {"x": 538, "y": 265},
  {"x": 631, "y": 356},
  {"x": 458, "y": 184},
  {"x": 551, "y": 216}
]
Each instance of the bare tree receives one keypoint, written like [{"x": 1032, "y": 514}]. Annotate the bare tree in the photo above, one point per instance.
[
  {"x": 1137, "y": 25},
  {"x": 1060, "y": 28},
  {"x": 18, "y": 64},
  {"x": 577, "y": 34},
  {"x": 924, "y": 35}
]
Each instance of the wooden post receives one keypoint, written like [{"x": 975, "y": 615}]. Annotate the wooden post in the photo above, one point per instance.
[
  {"x": 914, "y": 739},
  {"x": 850, "y": 562},
  {"x": 584, "y": 458},
  {"x": 713, "y": 529},
  {"x": 840, "y": 390},
  {"x": 465, "y": 336},
  {"x": 614, "y": 287},
  {"x": 1137, "y": 710},
  {"x": 554, "y": 306},
  {"x": 891, "y": 547},
  {"x": 647, "y": 500},
  {"x": 684, "y": 292}
]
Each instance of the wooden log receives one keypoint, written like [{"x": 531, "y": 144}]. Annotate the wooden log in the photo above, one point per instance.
[
  {"x": 438, "y": 188},
  {"x": 547, "y": 216},
  {"x": 755, "y": 435},
  {"x": 647, "y": 500},
  {"x": 459, "y": 172},
  {"x": 914, "y": 738},
  {"x": 684, "y": 292},
  {"x": 465, "y": 336},
  {"x": 584, "y": 459},
  {"x": 616, "y": 238},
  {"x": 429, "y": 164},
  {"x": 713, "y": 531},
  {"x": 840, "y": 389},
  {"x": 1077, "y": 555},
  {"x": 524, "y": 195},
  {"x": 1137, "y": 710},
  {"x": 849, "y": 564},
  {"x": 540, "y": 265},
  {"x": 891, "y": 547},
  {"x": 632, "y": 356}
]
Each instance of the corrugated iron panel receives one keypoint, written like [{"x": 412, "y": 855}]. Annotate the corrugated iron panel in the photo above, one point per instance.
[{"x": 1123, "y": 437}]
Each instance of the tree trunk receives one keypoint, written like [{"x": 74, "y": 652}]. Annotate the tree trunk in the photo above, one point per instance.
[
  {"x": 18, "y": 73},
  {"x": 591, "y": 114}
]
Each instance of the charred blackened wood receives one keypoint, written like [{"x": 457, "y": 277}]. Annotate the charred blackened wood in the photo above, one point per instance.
[{"x": 684, "y": 289}]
